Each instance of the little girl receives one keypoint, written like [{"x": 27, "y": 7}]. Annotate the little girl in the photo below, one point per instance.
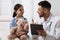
[
  {"x": 20, "y": 28},
  {"x": 18, "y": 24}
]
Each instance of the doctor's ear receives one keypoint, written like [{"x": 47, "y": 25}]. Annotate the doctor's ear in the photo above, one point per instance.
[{"x": 45, "y": 10}]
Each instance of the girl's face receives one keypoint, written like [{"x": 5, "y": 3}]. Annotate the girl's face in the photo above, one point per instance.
[{"x": 20, "y": 11}]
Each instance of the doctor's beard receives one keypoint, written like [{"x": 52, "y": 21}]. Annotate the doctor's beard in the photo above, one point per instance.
[{"x": 41, "y": 15}]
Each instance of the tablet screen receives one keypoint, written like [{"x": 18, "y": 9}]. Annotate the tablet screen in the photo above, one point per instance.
[{"x": 35, "y": 27}]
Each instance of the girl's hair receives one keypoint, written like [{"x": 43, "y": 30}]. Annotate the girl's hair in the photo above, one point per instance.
[{"x": 16, "y": 7}]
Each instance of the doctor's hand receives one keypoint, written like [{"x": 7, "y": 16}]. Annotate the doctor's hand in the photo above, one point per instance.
[{"x": 41, "y": 32}]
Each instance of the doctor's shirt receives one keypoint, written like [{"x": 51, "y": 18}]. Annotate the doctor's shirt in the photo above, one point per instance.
[{"x": 52, "y": 28}]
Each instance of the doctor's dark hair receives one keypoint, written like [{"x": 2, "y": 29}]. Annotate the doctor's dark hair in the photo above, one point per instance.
[
  {"x": 45, "y": 4},
  {"x": 16, "y": 7}
]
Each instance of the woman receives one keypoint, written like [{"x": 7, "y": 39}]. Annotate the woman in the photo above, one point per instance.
[{"x": 18, "y": 13}]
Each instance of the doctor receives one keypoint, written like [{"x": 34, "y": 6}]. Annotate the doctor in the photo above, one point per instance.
[{"x": 51, "y": 23}]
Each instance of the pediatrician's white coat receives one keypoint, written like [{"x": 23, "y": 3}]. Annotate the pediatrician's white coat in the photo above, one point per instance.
[{"x": 52, "y": 28}]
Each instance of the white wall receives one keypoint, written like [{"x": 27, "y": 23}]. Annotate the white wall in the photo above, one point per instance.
[
  {"x": 27, "y": 9},
  {"x": 55, "y": 7},
  {"x": 5, "y": 7}
]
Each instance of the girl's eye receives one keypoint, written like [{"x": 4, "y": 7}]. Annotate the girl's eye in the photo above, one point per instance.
[{"x": 21, "y": 9}]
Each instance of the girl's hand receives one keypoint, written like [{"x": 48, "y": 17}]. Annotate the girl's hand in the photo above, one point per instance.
[{"x": 17, "y": 33}]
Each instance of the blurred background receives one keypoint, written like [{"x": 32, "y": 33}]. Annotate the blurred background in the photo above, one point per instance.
[{"x": 30, "y": 7}]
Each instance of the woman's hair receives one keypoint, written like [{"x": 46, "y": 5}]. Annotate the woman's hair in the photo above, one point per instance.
[{"x": 16, "y": 7}]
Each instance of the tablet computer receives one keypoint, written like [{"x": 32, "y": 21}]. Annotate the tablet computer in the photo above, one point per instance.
[{"x": 35, "y": 27}]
